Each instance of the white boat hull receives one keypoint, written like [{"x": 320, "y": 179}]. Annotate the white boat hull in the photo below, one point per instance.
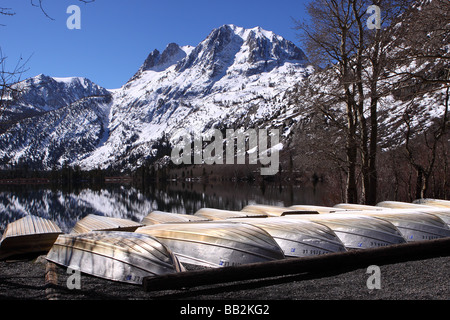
[
  {"x": 299, "y": 238},
  {"x": 28, "y": 235},
  {"x": 216, "y": 244},
  {"x": 117, "y": 255},
  {"x": 357, "y": 231}
]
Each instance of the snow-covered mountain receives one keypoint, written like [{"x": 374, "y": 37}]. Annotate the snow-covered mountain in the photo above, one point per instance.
[
  {"x": 235, "y": 78},
  {"x": 230, "y": 79},
  {"x": 43, "y": 93}
]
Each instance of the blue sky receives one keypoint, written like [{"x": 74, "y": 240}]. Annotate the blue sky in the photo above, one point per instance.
[{"x": 117, "y": 35}]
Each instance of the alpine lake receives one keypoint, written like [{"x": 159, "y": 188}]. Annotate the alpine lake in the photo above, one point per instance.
[{"x": 66, "y": 206}]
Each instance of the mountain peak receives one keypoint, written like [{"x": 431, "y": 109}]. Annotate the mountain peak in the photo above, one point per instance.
[
  {"x": 230, "y": 44},
  {"x": 151, "y": 61},
  {"x": 158, "y": 62},
  {"x": 171, "y": 55}
]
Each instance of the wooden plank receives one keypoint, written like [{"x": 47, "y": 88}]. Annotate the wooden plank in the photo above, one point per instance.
[
  {"x": 333, "y": 263},
  {"x": 51, "y": 281}
]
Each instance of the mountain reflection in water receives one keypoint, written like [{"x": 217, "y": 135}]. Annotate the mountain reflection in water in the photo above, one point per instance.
[{"x": 126, "y": 201}]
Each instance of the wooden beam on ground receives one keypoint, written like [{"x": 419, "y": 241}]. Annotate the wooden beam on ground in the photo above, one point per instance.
[{"x": 335, "y": 262}]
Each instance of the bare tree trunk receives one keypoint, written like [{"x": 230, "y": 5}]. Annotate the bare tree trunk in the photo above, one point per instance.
[
  {"x": 351, "y": 153},
  {"x": 364, "y": 140},
  {"x": 351, "y": 146},
  {"x": 377, "y": 61}
]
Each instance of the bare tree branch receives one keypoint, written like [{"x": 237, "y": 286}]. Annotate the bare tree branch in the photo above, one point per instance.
[{"x": 8, "y": 80}]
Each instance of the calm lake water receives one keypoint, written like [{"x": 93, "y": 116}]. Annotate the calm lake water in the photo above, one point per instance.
[{"x": 126, "y": 201}]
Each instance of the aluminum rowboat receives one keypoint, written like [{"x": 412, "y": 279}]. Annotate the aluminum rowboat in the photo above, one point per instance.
[
  {"x": 299, "y": 238},
  {"x": 29, "y": 234},
  {"x": 433, "y": 203},
  {"x": 158, "y": 217},
  {"x": 94, "y": 222},
  {"x": 114, "y": 255},
  {"x": 272, "y": 211},
  {"x": 357, "y": 231},
  {"x": 360, "y": 207},
  {"x": 413, "y": 225},
  {"x": 443, "y": 213},
  {"x": 319, "y": 209},
  {"x": 218, "y": 214},
  {"x": 216, "y": 244}
]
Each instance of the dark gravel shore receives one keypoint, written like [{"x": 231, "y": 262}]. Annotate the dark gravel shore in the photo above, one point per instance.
[{"x": 427, "y": 279}]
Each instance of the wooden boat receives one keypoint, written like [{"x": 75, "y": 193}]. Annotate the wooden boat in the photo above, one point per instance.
[
  {"x": 94, "y": 222},
  {"x": 272, "y": 211},
  {"x": 319, "y": 209},
  {"x": 357, "y": 231},
  {"x": 216, "y": 244},
  {"x": 434, "y": 203},
  {"x": 218, "y": 214},
  {"x": 29, "y": 234},
  {"x": 413, "y": 225},
  {"x": 114, "y": 255},
  {"x": 157, "y": 217},
  {"x": 299, "y": 238},
  {"x": 442, "y": 213}
]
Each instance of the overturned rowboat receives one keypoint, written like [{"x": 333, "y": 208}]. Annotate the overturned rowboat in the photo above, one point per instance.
[
  {"x": 351, "y": 206},
  {"x": 299, "y": 238},
  {"x": 400, "y": 205},
  {"x": 319, "y": 209},
  {"x": 218, "y": 214},
  {"x": 114, "y": 255},
  {"x": 216, "y": 244},
  {"x": 28, "y": 235},
  {"x": 413, "y": 225},
  {"x": 434, "y": 203},
  {"x": 158, "y": 217},
  {"x": 94, "y": 222},
  {"x": 357, "y": 231},
  {"x": 443, "y": 213},
  {"x": 269, "y": 210}
]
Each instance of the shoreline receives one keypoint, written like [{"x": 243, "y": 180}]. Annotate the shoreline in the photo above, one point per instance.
[{"x": 427, "y": 279}]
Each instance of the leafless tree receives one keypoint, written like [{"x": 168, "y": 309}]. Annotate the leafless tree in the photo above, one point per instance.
[
  {"x": 337, "y": 38},
  {"x": 421, "y": 145},
  {"x": 422, "y": 39},
  {"x": 421, "y": 67},
  {"x": 8, "y": 80},
  {"x": 328, "y": 43}
]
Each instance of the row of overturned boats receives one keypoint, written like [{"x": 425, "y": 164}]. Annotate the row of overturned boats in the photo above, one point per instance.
[{"x": 129, "y": 251}]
